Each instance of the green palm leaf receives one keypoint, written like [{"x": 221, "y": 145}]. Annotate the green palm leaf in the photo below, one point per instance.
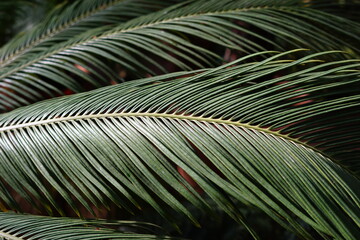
[
  {"x": 64, "y": 24},
  {"x": 139, "y": 44},
  {"x": 259, "y": 130},
  {"x": 18, "y": 227}
]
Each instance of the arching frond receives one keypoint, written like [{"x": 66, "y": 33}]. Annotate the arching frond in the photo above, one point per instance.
[
  {"x": 21, "y": 227},
  {"x": 81, "y": 16},
  {"x": 272, "y": 138},
  {"x": 139, "y": 44}
]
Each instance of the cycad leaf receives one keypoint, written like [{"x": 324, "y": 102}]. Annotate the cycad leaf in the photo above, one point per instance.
[
  {"x": 64, "y": 24},
  {"x": 21, "y": 227},
  {"x": 140, "y": 44},
  {"x": 122, "y": 142}
]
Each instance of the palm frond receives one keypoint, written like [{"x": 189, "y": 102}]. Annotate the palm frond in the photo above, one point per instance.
[
  {"x": 139, "y": 45},
  {"x": 21, "y": 227},
  {"x": 257, "y": 124},
  {"x": 65, "y": 23}
]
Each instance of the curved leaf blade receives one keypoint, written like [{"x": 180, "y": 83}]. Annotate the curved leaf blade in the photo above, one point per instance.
[
  {"x": 133, "y": 134},
  {"x": 137, "y": 44}
]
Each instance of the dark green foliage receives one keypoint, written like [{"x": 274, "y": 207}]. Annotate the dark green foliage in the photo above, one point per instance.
[{"x": 245, "y": 120}]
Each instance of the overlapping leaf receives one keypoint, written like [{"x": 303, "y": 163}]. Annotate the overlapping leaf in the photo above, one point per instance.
[
  {"x": 139, "y": 45},
  {"x": 272, "y": 135}
]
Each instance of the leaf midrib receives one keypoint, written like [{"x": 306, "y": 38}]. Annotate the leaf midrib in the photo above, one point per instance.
[
  {"x": 157, "y": 115},
  {"x": 111, "y": 32}
]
